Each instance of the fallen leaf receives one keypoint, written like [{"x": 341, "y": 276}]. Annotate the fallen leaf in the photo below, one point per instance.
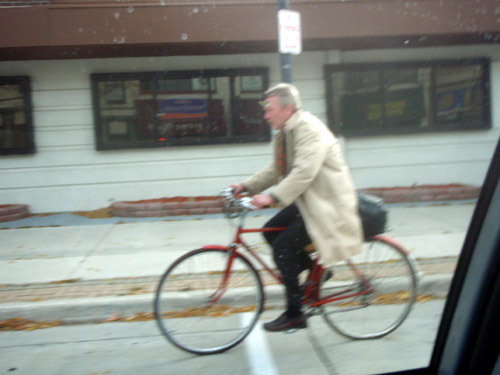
[
  {"x": 214, "y": 311},
  {"x": 67, "y": 281},
  {"x": 135, "y": 290},
  {"x": 113, "y": 318},
  {"x": 101, "y": 213},
  {"x": 37, "y": 299},
  {"x": 389, "y": 299},
  {"x": 21, "y": 324}
]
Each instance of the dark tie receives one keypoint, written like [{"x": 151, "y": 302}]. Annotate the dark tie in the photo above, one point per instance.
[{"x": 281, "y": 153}]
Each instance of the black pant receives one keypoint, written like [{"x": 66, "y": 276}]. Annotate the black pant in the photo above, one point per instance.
[{"x": 288, "y": 251}]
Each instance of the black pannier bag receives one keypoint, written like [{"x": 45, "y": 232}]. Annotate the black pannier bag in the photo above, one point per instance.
[{"x": 373, "y": 214}]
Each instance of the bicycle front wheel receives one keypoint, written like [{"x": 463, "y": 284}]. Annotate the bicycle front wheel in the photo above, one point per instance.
[
  {"x": 382, "y": 281},
  {"x": 208, "y": 301}
]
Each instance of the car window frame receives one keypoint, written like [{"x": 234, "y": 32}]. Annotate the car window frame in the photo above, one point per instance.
[{"x": 465, "y": 338}]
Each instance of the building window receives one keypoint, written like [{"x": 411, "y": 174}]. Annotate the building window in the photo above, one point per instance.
[
  {"x": 155, "y": 109},
  {"x": 16, "y": 129},
  {"x": 409, "y": 97}
]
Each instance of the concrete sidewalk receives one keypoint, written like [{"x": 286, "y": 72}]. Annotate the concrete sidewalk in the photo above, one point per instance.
[{"x": 77, "y": 269}]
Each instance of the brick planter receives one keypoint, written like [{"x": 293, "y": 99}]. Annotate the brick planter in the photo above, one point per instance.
[
  {"x": 426, "y": 193},
  {"x": 210, "y": 205},
  {"x": 167, "y": 207},
  {"x": 9, "y": 212}
]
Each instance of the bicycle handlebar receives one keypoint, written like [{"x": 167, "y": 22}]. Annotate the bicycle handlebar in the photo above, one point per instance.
[{"x": 244, "y": 203}]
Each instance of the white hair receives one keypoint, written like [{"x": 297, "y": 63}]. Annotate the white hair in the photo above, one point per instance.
[{"x": 287, "y": 94}]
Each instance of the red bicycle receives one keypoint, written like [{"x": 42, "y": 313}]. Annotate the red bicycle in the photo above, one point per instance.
[{"x": 210, "y": 299}]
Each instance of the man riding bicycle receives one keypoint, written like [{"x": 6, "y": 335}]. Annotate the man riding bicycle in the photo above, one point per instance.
[{"x": 313, "y": 184}]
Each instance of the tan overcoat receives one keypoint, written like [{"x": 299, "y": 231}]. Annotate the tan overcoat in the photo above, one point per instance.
[{"x": 319, "y": 182}]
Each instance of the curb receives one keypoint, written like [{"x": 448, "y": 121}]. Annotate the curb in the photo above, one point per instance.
[
  {"x": 78, "y": 311},
  {"x": 97, "y": 310}
]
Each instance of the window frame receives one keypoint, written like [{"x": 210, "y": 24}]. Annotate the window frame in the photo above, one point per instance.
[
  {"x": 25, "y": 82},
  {"x": 209, "y": 74},
  {"x": 484, "y": 123}
]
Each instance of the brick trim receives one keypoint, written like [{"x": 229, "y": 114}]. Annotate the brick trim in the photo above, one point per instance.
[
  {"x": 167, "y": 207},
  {"x": 9, "y": 212},
  {"x": 426, "y": 193},
  {"x": 179, "y": 206}
]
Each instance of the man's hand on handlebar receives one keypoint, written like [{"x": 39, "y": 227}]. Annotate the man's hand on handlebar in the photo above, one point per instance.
[
  {"x": 237, "y": 189},
  {"x": 262, "y": 201}
]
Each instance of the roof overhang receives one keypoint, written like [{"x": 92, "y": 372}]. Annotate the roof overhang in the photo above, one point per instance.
[{"x": 69, "y": 29}]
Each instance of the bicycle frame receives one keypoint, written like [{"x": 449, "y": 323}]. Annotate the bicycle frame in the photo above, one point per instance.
[
  {"x": 232, "y": 250},
  {"x": 311, "y": 297},
  {"x": 366, "y": 283}
]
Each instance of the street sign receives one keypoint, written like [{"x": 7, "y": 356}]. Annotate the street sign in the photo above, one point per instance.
[{"x": 289, "y": 31}]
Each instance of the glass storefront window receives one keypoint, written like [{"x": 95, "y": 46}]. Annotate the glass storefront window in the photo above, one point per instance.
[
  {"x": 373, "y": 99},
  {"x": 179, "y": 108},
  {"x": 16, "y": 131},
  {"x": 459, "y": 94}
]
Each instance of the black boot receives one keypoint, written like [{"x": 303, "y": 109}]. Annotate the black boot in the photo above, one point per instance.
[{"x": 284, "y": 323}]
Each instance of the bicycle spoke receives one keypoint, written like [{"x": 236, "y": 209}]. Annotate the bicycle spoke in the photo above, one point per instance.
[
  {"x": 390, "y": 293},
  {"x": 198, "y": 305}
]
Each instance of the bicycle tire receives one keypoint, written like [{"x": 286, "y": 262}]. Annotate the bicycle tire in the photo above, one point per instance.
[
  {"x": 393, "y": 280},
  {"x": 185, "y": 309}
]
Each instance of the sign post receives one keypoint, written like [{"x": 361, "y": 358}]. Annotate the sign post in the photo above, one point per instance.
[{"x": 289, "y": 34}]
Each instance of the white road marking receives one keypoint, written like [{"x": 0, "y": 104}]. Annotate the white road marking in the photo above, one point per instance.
[{"x": 259, "y": 356}]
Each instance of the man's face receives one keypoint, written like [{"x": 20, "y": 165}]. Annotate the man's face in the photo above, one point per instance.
[{"x": 275, "y": 115}]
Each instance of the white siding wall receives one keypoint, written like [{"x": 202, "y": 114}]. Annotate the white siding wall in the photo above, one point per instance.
[
  {"x": 440, "y": 158},
  {"x": 67, "y": 173}
]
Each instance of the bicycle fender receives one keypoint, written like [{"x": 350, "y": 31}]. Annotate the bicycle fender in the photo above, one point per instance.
[{"x": 215, "y": 247}]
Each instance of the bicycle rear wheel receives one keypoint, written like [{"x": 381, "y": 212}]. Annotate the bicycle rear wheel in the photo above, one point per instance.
[
  {"x": 379, "y": 308},
  {"x": 203, "y": 309}
]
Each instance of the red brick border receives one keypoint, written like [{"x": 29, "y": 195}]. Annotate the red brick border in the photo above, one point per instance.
[
  {"x": 177, "y": 206},
  {"x": 426, "y": 193},
  {"x": 167, "y": 207},
  {"x": 9, "y": 212},
  {"x": 210, "y": 205}
]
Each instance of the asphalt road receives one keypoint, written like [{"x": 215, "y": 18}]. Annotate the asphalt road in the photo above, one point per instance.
[{"x": 138, "y": 348}]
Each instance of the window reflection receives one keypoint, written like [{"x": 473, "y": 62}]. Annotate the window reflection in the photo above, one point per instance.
[
  {"x": 459, "y": 94},
  {"x": 411, "y": 97},
  {"x": 154, "y": 109},
  {"x": 15, "y": 117}
]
